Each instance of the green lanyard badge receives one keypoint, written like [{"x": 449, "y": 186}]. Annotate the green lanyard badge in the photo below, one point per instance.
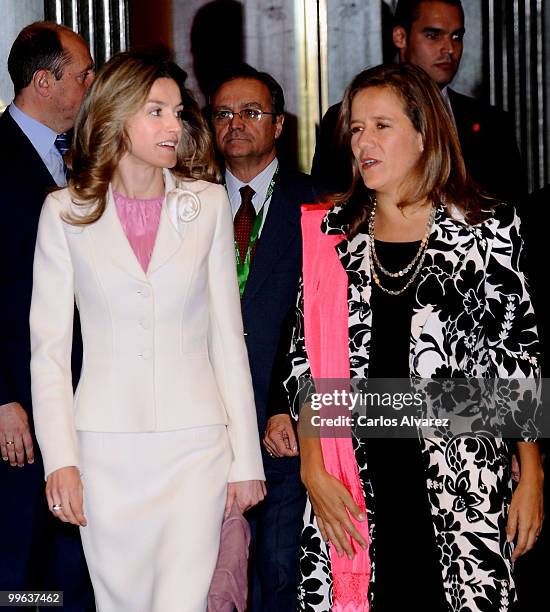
[{"x": 243, "y": 267}]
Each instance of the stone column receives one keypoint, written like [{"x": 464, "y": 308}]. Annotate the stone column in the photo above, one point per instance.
[{"x": 15, "y": 16}]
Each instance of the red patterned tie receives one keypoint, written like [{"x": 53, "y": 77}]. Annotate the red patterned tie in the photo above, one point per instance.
[{"x": 244, "y": 220}]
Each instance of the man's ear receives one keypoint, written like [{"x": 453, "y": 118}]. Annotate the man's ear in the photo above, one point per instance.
[
  {"x": 279, "y": 120},
  {"x": 42, "y": 82},
  {"x": 399, "y": 37}
]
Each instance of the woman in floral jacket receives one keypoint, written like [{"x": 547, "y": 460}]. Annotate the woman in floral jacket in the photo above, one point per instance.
[{"x": 412, "y": 274}]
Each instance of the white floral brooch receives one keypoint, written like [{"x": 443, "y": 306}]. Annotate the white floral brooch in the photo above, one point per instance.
[{"x": 183, "y": 205}]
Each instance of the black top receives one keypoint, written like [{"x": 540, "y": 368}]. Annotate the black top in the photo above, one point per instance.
[
  {"x": 391, "y": 324},
  {"x": 406, "y": 557}
]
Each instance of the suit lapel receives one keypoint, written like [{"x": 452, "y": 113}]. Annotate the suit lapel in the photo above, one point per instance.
[
  {"x": 170, "y": 230},
  {"x": 108, "y": 232},
  {"x": 467, "y": 125},
  {"x": 168, "y": 241},
  {"x": 22, "y": 148},
  {"x": 450, "y": 242},
  {"x": 354, "y": 257},
  {"x": 280, "y": 229}
]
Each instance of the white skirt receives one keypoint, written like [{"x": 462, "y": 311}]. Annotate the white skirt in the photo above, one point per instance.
[{"x": 154, "y": 504}]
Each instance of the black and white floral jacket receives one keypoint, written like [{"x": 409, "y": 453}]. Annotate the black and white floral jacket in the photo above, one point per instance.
[{"x": 472, "y": 317}]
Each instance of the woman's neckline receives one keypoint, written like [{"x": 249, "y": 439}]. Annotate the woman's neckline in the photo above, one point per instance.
[
  {"x": 391, "y": 242},
  {"x": 124, "y": 198}
]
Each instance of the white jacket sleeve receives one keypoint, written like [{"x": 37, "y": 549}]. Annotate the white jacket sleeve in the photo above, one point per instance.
[
  {"x": 51, "y": 326},
  {"x": 227, "y": 347}
]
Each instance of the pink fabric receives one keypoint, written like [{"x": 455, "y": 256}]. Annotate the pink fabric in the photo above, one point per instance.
[
  {"x": 140, "y": 220},
  {"x": 229, "y": 586},
  {"x": 327, "y": 346}
]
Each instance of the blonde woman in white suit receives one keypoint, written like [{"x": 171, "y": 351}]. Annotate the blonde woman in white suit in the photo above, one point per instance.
[{"x": 163, "y": 417}]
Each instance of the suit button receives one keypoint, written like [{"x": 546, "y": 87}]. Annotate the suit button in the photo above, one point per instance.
[
  {"x": 144, "y": 292},
  {"x": 145, "y": 324},
  {"x": 145, "y": 354}
]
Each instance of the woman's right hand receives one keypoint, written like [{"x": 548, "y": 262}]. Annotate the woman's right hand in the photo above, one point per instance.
[
  {"x": 246, "y": 493},
  {"x": 331, "y": 503},
  {"x": 64, "y": 489}
]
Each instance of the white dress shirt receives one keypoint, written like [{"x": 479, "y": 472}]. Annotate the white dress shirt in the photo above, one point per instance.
[{"x": 260, "y": 183}]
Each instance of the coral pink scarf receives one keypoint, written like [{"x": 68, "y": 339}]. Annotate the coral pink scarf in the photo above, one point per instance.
[{"x": 327, "y": 346}]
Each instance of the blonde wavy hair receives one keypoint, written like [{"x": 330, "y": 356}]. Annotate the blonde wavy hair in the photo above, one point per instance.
[{"x": 119, "y": 91}]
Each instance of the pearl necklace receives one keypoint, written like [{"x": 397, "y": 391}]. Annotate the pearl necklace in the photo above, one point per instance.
[{"x": 418, "y": 259}]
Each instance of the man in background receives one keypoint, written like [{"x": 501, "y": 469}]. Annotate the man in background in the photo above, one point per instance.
[
  {"x": 265, "y": 196},
  {"x": 51, "y": 69},
  {"x": 429, "y": 33}
]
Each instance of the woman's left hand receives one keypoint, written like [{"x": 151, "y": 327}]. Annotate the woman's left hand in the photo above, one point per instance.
[
  {"x": 247, "y": 493},
  {"x": 526, "y": 513}
]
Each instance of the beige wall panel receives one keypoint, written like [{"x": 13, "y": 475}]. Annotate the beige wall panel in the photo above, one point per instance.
[{"x": 15, "y": 15}]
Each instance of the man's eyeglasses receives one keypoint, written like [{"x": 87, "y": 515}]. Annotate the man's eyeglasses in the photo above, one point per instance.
[{"x": 248, "y": 115}]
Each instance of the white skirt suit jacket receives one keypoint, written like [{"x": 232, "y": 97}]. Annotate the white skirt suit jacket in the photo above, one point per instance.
[{"x": 163, "y": 350}]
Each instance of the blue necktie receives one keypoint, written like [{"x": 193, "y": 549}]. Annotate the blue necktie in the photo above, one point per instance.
[{"x": 63, "y": 143}]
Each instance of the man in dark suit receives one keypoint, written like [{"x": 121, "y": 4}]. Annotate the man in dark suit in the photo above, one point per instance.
[
  {"x": 429, "y": 33},
  {"x": 51, "y": 68},
  {"x": 265, "y": 197}
]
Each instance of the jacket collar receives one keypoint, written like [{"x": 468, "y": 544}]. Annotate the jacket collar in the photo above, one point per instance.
[
  {"x": 451, "y": 240},
  {"x": 281, "y": 228},
  {"x": 181, "y": 206},
  {"x": 335, "y": 221},
  {"x": 354, "y": 255}
]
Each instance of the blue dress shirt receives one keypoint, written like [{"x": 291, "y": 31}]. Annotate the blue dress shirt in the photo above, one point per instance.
[{"x": 43, "y": 140}]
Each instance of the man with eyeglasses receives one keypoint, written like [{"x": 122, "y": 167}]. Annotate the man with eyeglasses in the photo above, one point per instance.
[
  {"x": 247, "y": 118},
  {"x": 429, "y": 33}
]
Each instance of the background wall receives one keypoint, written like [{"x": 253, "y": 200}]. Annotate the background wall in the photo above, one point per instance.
[
  {"x": 210, "y": 37},
  {"x": 151, "y": 23},
  {"x": 314, "y": 48},
  {"x": 355, "y": 41},
  {"x": 102, "y": 23},
  {"x": 15, "y": 15},
  {"x": 359, "y": 36}
]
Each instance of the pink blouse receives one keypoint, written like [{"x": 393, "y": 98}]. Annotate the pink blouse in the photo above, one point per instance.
[{"x": 140, "y": 220}]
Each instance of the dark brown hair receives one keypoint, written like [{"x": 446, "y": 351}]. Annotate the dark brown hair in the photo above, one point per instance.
[
  {"x": 245, "y": 71},
  {"x": 408, "y": 11},
  {"x": 37, "y": 47},
  {"x": 440, "y": 174}
]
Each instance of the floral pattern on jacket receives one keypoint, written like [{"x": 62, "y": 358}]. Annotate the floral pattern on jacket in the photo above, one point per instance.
[{"x": 472, "y": 317}]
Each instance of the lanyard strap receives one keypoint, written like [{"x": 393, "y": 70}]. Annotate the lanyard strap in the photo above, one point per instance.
[{"x": 243, "y": 267}]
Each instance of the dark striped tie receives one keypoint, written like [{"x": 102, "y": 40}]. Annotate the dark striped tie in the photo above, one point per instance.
[{"x": 63, "y": 143}]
